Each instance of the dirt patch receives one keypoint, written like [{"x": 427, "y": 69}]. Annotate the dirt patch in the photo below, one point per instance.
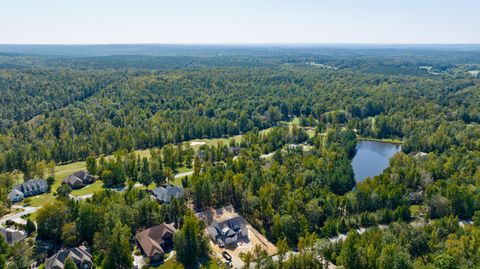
[
  {"x": 254, "y": 238},
  {"x": 243, "y": 244}
]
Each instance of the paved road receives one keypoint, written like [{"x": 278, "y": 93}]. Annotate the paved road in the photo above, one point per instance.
[
  {"x": 17, "y": 217},
  {"x": 184, "y": 174},
  {"x": 81, "y": 197},
  {"x": 267, "y": 155}
]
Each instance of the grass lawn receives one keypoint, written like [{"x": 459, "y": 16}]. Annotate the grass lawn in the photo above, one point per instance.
[
  {"x": 177, "y": 181},
  {"x": 184, "y": 169},
  {"x": 89, "y": 189},
  {"x": 171, "y": 263},
  {"x": 33, "y": 216},
  {"x": 310, "y": 133},
  {"x": 385, "y": 140},
  {"x": 38, "y": 200},
  {"x": 211, "y": 264},
  {"x": 238, "y": 138},
  {"x": 62, "y": 171},
  {"x": 213, "y": 141},
  {"x": 151, "y": 186}
]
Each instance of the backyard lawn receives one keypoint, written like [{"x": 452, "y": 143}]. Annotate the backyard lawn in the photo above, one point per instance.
[
  {"x": 171, "y": 263},
  {"x": 184, "y": 169},
  {"x": 89, "y": 189}
]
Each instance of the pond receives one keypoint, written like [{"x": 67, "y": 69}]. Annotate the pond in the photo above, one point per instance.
[{"x": 372, "y": 158}]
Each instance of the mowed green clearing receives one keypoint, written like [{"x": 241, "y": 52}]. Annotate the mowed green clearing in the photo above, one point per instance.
[{"x": 172, "y": 263}]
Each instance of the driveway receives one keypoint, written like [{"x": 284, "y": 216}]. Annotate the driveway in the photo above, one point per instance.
[
  {"x": 138, "y": 261},
  {"x": 17, "y": 217},
  {"x": 184, "y": 174},
  {"x": 81, "y": 197}
]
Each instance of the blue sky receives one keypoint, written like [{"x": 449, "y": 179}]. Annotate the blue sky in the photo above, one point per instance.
[{"x": 239, "y": 21}]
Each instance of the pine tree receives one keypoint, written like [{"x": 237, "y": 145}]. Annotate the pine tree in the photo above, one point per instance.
[
  {"x": 69, "y": 264},
  {"x": 118, "y": 254},
  {"x": 91, "y": 165},
  {"x": 190, "y": 242}
]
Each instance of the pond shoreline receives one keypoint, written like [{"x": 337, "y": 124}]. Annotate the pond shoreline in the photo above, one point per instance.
[
  {"x": 381, "y": 140},
  {"x": 372, "y": 157}
]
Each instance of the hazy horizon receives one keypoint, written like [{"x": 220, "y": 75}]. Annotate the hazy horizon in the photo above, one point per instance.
[
  {"x": 280, "y": 44},
  {"x": 248, "y": 22}
]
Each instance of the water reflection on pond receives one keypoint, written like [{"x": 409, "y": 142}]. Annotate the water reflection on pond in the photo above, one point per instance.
[{"x": 372, "y": 158}]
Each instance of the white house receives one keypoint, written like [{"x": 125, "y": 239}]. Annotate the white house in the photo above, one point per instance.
[
  {"x": 225, "y": 225},
  {"x": 29, "y": 188},
  {"x": 15, "y": 196}
]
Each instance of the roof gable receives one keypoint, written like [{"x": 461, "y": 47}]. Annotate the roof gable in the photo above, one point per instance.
[
  {"x": 166, "y": 194},
  {"x": 12, "y": 236},
  {"x": 79, "y": 178},
  {"x": 152, "y": 238},
  {"x": 32, "y": 185},
  {"x": 79, "y": 255}
]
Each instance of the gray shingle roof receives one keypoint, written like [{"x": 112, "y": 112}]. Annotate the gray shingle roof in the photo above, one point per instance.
[
  {"x": 166, "y": 194},
  {"x": 229, "y": 227},
  {"x": 14, "y": 194},
  {"x": 79, "y": 255},
  {"x": 212, "y": 232},
  {"x": 32, "y": 186},
  {"x": 12, "y": 236},
  {"x": 79, "y": 179},
  {"x": 85, "y": 176},
  {"x": 73, "y": 180}
]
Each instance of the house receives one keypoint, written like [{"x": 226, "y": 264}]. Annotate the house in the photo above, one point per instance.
[
  {"x": 15, "y": 196},
  {"x": 29, "y": 188},
  {"x": 79, "y": 179},
  {"x": 419, "y": 154},
  {"x": 156, "y": 240},
  {"x": 229, "y": 230},
  {"x": 234, "y": 150},
  {"x": 33, "y": 187},
  {"x": 81, "y": 256},
  {"x": 225, "y": 226},
  {"x": 12, "y": 236},
  {"x": 165, "y": 195},
  {"x": 415, "y": 197}
]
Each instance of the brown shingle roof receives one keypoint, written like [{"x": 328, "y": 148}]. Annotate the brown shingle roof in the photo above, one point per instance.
[{"x": 151, "y": 239}]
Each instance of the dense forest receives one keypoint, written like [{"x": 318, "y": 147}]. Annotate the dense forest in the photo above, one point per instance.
[{"x": 423, "y": 211}]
